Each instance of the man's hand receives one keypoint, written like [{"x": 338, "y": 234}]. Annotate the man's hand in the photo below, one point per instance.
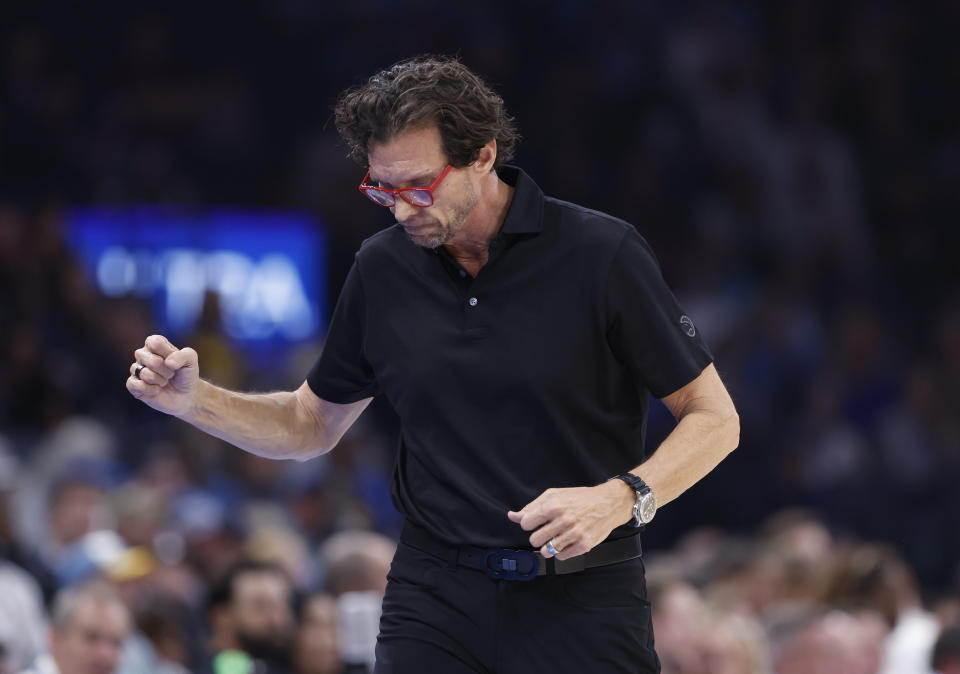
[
  {"x": 169, "y": 378},
  {"x": 576, "y": 519}
]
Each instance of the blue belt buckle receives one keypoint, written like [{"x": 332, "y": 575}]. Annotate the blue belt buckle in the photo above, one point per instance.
[{"x": 504, "y": 564}]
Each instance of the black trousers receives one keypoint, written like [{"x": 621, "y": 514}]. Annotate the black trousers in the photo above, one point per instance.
[{"x": 445, "y": 619}]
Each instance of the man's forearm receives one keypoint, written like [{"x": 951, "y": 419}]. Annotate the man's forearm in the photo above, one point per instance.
[
  {"x": 271, "y": 425},
  {"x": 699, "y": 442},
  {"x": 708, "y": 429}
]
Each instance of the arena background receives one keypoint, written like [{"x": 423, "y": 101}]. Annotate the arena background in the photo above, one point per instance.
[{"x": 795, "y": 165}]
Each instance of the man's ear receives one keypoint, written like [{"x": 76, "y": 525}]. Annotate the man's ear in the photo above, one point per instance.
[{"x": 487, "y": 157}]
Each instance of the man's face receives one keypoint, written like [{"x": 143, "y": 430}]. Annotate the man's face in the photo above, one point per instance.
[
  {"x": 92, "y": 642},
  {"x": 261, "y": 614},
  {"x": 316, "y": 648},
  {"x": 75, "y": 512},
  {"x": 414, "y": 158}
]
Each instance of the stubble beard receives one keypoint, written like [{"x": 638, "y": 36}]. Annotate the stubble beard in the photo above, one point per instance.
[
  {"x": 275, "y": 649},
  {"x": 457, "y": 222}
]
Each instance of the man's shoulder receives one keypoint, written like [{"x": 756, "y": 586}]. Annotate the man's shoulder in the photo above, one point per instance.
[{"x": 587, "y": 225}]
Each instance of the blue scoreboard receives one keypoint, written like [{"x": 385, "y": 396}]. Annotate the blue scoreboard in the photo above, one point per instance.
[{"x": 268, "y": 269}]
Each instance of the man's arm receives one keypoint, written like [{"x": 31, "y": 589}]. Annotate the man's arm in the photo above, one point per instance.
[
  {"x": 281, "y": 425},
  {"x": 708, "y": 428},
  {"x": 576, "y": 519}
]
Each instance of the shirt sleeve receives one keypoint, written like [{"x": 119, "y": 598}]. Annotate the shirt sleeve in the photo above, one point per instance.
[
  {"x": 647, "y": 330},
  {"x": 342, "y": 373}
]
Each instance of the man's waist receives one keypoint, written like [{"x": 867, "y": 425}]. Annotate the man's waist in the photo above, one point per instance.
[{"x": 519, "y": 563}]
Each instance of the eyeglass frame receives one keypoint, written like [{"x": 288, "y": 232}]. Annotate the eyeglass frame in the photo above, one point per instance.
[{"x": 366, "y": 189}]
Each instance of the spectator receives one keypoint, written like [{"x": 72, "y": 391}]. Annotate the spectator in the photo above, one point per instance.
[
  {"x": 356, "y": 564},
  {"x": 356, "y": 561},
  {"x": 834, "y": 642},
  {"x": 316, "y": 650},
  {"x": 875, "y": 578},
  {"x": 281, "y": 545},
  {"x": 251, "y": 614},
  {"x": 90, "y": 625}
]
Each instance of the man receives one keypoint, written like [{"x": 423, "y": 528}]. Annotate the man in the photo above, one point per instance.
[
  {"x": 517, "y": 337},
  {"x": 317, "y": 649},
  {"x": 251, "y": 615},
  {"x": 356, "y": 561},
  {"x": 356, "y": 565},
  {"x": 833, "y": 642},
  {"x": 89, "y": 626}
]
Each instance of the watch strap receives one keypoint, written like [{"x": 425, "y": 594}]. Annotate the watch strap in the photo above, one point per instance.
[
  {"x": 640, "y": 488},
  {"x": 634, "y": 481}
]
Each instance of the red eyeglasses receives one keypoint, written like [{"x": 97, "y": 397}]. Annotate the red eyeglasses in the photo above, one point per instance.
[{"x": 415, "y": 196}]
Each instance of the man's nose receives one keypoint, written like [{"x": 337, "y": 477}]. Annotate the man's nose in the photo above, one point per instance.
[{"x": 403, "y": 211}]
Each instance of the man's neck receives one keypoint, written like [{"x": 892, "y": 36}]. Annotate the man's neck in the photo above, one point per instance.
[{"x": 471, "y": 247}]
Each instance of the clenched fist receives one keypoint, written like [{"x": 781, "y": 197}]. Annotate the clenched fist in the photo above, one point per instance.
[{"x": 168, "y": 378}]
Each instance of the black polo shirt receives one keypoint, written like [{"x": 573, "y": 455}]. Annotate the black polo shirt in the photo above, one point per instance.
[{"x": 534, "y": 374}]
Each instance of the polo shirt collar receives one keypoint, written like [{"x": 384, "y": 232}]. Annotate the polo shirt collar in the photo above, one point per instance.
[{"x": 525, "y": 215}]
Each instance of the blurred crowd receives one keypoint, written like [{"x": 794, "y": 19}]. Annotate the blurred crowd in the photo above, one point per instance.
[
  {"x": 795, "y": 597},
  {"x": 795, "y": 165}
]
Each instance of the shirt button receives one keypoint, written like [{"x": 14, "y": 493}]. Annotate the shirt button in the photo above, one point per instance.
[
  {"x": 472, "y": 301},
  {"x": 462, "y": 273}
]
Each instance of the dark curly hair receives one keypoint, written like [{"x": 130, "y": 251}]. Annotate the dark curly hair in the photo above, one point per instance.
[{"x": 422, "y": 90}]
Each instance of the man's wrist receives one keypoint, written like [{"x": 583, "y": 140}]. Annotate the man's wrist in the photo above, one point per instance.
[
  {"x": 192, "y": 414},
  {"x": 626, "y": 499}
]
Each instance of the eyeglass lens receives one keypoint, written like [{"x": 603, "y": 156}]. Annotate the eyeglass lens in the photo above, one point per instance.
[
  {"x": 382, "y": 198},
  {"x": 420, "y": 198}
]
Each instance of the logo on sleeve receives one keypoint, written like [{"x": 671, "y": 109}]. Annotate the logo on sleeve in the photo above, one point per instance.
[{"x": 688, "y": 326}]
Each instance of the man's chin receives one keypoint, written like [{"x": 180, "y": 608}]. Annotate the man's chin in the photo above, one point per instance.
[
  {"x": 276, "y": 651},
  {"x": 433, "y": 239},
  {"x": 432, "y": 243}
]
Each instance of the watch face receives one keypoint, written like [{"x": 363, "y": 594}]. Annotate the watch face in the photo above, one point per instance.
[{"x": 648, "y": 507}]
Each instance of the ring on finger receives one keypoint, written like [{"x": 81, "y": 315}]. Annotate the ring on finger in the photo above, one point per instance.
[
  {"x": 136, "y": 372},
  {"x": 551, "y": 549}
]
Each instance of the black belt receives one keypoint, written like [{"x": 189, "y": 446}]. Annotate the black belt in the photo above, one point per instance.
[{"x": 510, "y": 564}]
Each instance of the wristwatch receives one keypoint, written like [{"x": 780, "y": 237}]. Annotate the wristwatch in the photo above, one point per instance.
[{"x": 646, "y": 506}]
